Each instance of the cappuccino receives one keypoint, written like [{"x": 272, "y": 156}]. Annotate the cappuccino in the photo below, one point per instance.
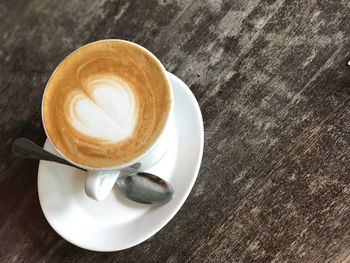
[{"x": 106, "y": 104}]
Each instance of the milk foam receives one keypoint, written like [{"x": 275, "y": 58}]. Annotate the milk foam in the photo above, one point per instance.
[{"x": 109, "y": 113}]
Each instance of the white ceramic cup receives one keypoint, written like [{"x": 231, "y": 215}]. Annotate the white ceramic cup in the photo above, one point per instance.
[{"x": 100, "y": 181}]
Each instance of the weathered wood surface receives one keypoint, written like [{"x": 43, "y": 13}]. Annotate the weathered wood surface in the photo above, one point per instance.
[{"x": 273, "y": 85}]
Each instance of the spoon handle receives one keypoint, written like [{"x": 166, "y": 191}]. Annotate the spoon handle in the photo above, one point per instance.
[{"x": 25, "y": 148}]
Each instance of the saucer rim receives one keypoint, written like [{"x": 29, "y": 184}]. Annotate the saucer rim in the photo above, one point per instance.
[{"x": 184, "y": 197}]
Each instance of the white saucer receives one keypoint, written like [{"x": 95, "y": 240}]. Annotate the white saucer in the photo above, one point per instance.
[{"x": 117, "y": 223}]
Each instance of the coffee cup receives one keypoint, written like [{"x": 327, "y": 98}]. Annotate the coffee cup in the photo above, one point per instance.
[{"x": 107, "y": 108}]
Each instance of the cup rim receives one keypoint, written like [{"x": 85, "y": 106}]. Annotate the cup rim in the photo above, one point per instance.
[{"x": 151, "y": 146}]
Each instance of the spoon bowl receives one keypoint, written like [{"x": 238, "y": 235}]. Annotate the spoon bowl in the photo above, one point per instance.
[{"x": 145, "y": 188}]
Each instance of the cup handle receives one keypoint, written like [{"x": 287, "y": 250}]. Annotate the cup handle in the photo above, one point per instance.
[{"x": 98, "y": 184}]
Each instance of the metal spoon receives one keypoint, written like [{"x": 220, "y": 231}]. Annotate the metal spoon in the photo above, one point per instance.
[{"x": 137, "y": 186}]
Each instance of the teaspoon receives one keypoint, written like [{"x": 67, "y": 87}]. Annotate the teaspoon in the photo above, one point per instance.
[{"x": 137, "y": 186}]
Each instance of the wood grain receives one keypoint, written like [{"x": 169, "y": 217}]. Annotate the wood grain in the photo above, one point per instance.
[{"x": 273, "y": 85}]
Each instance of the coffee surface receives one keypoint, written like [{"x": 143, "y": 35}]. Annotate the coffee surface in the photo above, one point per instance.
[{"x": 106, "y": 103}]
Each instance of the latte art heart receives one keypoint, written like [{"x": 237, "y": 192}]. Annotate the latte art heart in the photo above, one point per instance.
[{"x": 108, "y": 114}]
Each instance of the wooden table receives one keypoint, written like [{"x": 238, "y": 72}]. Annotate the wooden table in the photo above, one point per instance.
[{"x": 274, "y": 89}]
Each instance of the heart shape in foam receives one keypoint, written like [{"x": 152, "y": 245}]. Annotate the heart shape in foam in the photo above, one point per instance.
[{"x": 108, "y": 113}]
